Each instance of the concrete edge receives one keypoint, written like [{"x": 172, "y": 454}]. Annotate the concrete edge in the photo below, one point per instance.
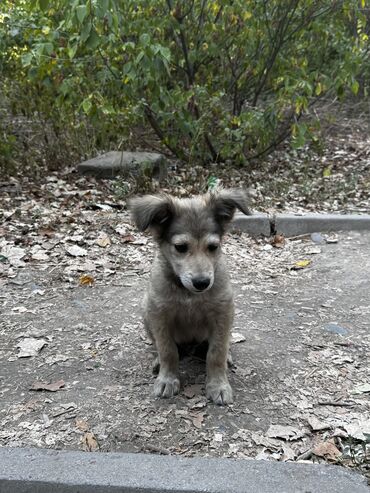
[
  {"x": 42, "y": 471},
  {"x": 294, "y": 225}
]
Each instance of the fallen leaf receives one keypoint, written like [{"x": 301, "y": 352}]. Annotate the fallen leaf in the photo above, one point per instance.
[
  {"x": 86, "y": 280},
  {"x": 278, "y": 241},
  {"x": 89, "y": 442},
  {"x": 30, "y": 347},
  {"x": 81, "y": 424},
  {"x": 76, "y": 251},
  {"x": 14, "y": 255},
  {"x": 301, "y": 264},
  {"x": 288, "y": 453},
  {"x": 316, "y": 424},
  {"x": 51, "y": 387},
  {"x": 284, "y": 432},
  {"x": 127, "y": 238},
  {"x": 359, "y": 430},
  {"x": 198, "y": 419},
  {"x": 327, "y": 450},
  {"x": 236, "y": 337},
  {"x": 332, "y": 239},
  {"x": 103, "y": 240},
  {"x": 192, "y": 390},
  {"x": 362, "y": 389}
]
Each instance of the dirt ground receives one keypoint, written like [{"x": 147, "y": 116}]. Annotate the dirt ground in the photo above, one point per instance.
[{"x": 71, "y": 296}]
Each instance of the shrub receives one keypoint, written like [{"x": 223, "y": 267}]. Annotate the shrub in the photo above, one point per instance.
[{"x": 214, "y": 79}]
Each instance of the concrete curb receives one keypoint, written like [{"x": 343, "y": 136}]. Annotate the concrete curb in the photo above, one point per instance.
[
  {"x": 45, "y": 471},
  {"x": 294, "y": 224}
]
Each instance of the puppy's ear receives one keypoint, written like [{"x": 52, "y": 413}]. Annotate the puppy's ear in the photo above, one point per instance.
[
  {"x": 153, "y": 212},
  {"x": 226, "y": 202}
]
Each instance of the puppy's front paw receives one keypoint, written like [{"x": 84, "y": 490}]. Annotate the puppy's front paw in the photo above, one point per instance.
[
  {"x": 219, "y": 392},
  {"x": 166, "y": 386}
]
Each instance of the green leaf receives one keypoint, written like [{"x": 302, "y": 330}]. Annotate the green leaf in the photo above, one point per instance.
[
  {"x": 355, "y": 87},
  {"x": 86, "y": 105},
  {"x": 72, "y": 51},
  {"x": 81, "y": 12},
  {"x": 43, "y": 4},
  {"x": 93, "y": 40},
  {"x": 26, "y": 59}
]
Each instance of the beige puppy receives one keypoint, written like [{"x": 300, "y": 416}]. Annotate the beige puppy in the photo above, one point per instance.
[{"x": 189, "y": 297}]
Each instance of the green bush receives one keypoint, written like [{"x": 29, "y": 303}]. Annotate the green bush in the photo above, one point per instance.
[{"x": 214, "y": 80}]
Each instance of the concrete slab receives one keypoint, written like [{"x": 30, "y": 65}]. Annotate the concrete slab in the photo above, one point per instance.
[
  {"x": 255, "y": 225},
  {"x": 39, "y": 471},
  {"x": 113, "y": 163},
  {"x": 293, "y": 225}
]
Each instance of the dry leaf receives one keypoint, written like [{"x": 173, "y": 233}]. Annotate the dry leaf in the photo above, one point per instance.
[
  {"x": 76, "y": 251},
  {"x": 316, "y": 424},
  {"x": 362, "y": 389},
  {"x": 81, "y": 424},
  {"x": 301, "y": 264},
  {"x": 30, "y": 347},
  {"x": 89, "y": 442},
  {"x": 51, "y": 387},
  {"x": 197, "y": 420},
  {"x": 278, "y": 241},
  {"x": 327, "y": 450},
  {"x": 86, "y": 280},
  {"x": 103, "y": 240},
  {"x": 288, "y": 453},
  {"x": 284, "y": 432},
  {"x": 127, "y": 238},
  {"x": 236, "y": 337}
]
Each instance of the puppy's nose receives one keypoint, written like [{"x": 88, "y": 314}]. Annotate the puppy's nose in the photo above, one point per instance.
[{"x": 201, "y": 283}]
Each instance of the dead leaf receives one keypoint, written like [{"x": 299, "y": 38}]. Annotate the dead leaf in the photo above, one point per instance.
[
  {"x": 51, "y": 387},
  {"x": 278, "y": 241},
  {"x": 288, "y": 453},
  {"x": 236, "y": 337},
  {"x": 89, "y": 442},
  {"x": 359, "y": 430},
  {"x": 327, "y": 450},
  {"x": 14, "y": 255},
  {"x": 332, "y": 239},
  {"x": 127, "y": 238},
  {"x": 81, "y": 424},
  {"x": 284, "y": 432},
  {"x": 301, "y": 264},
  {"x": 103, "y": 240},
  {"x": 192, "y": 390},
  {"x": 197, "y": 419},
  {"x": 316, "y": 424},
  {"x": 76, "y": 251},
  {"x": 362, "y": 389},
  {"x": 86, "y": 280},
  {"x": 30, "y": 347}
]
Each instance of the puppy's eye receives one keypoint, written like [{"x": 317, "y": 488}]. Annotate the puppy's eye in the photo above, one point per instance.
[
  {"x": 182, "y": 248},
  {"x": 212, "y": 247}
]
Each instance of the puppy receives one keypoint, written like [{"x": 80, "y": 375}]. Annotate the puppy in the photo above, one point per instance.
[{"x": 189, "y": 297}]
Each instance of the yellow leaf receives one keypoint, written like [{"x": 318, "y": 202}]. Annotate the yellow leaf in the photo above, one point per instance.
[
  {"x": 318, "y": 89},
  {"x": 86, "y": 280},
  {"x": 301, "y": 264},
  {"x": 247, "y": 15},
  {"x": 326, "y": 172}
]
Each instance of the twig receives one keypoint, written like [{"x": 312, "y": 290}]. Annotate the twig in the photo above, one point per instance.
[
  {"x": 336, "y": 403},
  {"x": 155, "y": 449},
  {"x": 306, "y": 455}
]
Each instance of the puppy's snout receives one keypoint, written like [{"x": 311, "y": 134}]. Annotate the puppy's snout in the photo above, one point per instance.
[{"x": 201, "y": 283}]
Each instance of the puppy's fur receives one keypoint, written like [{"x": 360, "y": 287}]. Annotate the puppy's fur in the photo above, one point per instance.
[{"x": 189, "y": 296}]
